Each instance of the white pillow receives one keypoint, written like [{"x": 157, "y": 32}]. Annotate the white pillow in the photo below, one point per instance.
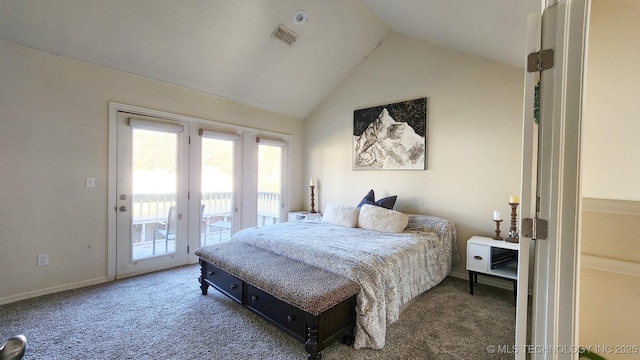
[
  {"x": 341, "y": 215},
  {"x": 377, "y": 218}
]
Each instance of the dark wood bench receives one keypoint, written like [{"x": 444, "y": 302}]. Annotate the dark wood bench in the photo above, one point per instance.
[{"x": 315, "y": 306}]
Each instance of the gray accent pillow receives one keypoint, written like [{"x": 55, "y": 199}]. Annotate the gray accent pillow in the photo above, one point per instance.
[{"x": 370, "y": 199}]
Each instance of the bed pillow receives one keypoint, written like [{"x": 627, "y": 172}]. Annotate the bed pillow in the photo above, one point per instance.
[
  {"x": 387, "y": 203},
  {"x": 370, "y": 198},
  {"x": 377, "y": 218},
  {"x": 340, "y": 215}
]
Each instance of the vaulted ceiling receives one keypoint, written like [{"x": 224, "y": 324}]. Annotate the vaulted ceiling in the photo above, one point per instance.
[{"x": 225, "y": 47}]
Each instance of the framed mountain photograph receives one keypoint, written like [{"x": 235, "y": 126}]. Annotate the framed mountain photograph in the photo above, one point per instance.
[{"x": 391, "y": 137}]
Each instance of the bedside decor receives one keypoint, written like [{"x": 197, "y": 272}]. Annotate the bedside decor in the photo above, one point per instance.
[
  {"x": 391, "y": 137},
  {"x": 313, "y": 210},
  {"x": 497, "y": 217},
  {"x": 513, "y": 230}
]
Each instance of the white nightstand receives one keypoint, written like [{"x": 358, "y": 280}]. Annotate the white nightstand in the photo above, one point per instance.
[
  {"x": 302, "y": 215},
  {"x": 496, "y": 258}
]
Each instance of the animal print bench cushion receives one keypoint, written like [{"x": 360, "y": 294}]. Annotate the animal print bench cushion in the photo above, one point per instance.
[{"x": 304, "y": 286}]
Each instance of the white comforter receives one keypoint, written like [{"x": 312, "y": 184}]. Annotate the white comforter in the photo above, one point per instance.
[{"x": 390, "y": 268}]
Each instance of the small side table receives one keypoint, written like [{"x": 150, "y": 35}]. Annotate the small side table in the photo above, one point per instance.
[
  {"x": 303, "y": 215},
  {"x": 489, "y": 257}
]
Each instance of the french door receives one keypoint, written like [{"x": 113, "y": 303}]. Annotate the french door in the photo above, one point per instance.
[
  {"x": 177, "y": 183},
  {"x": 271, "y": 162},
  {"x": 217, "y": 163},
  {"x": 152, "y": 195}
]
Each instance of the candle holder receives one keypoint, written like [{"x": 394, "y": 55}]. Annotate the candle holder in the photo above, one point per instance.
[
  {"x": 513, "y": 230},
  {"x": 497, "y": 237},
  {"x": 313, "y": 210}
]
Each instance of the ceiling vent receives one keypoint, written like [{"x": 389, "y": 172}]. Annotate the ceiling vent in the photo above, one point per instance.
[{"x": 284, "y": 34}]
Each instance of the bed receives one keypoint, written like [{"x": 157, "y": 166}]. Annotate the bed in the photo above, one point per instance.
[{"x": 391, "y": 267}]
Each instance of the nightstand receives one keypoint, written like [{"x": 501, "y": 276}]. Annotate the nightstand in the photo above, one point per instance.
[
  {"x": 303, "y": 215},
  {"x": 489, "y": 257}
]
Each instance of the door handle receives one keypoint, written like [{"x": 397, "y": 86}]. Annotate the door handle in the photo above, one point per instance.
[{"x": 123, "y": 208}]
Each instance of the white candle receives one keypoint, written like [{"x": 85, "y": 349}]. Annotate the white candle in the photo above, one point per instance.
[
  {"x": 514, "y": 200},
  {"x": 496, "y": 215},
  {"x": 311, "y": 182}
]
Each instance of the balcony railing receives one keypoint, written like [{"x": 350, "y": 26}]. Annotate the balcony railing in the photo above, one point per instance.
[{"x": 151, "y": 209}]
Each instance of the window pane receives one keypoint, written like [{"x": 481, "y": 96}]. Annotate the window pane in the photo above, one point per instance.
[
  {"x": 269, "y": 184},
  {"x": 216, "y": 190},
  {"x": 154, "y": 193}
]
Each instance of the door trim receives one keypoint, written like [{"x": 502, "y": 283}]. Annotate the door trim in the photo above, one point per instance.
[{"x": 555, "y": 303}]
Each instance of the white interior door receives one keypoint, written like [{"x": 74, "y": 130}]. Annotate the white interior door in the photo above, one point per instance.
[
  {"x": 151, "y": 188},
  {"x": 527, "y": 196},
  {"x": 553, "y": 188}
]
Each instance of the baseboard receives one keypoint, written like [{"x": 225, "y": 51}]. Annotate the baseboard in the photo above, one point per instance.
[
  {"x": 610, "y": 265},
  {"x": 615, "y": 207},
  {"x": 51, "y": 290},
  {"x": 486, "y": 280}
]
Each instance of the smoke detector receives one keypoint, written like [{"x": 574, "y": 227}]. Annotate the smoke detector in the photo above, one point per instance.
[{"x": 300, "y": 17}]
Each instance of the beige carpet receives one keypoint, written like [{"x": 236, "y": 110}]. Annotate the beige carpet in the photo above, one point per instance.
[{"x": 164, "y": 316}]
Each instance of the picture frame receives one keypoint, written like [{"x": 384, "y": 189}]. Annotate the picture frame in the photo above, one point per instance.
[{"x": 391, "y": 136}]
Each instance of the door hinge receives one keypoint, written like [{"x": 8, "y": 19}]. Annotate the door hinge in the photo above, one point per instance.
[
  {"x": 540, "y": 60},
  {"x": 535, "y": 228},
  {"x": 187, "y": 249}
]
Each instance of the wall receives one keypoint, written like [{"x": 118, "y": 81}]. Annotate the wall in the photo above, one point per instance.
[
  {"x": 54, "y": 133},
  {"x": 474, "y": 122},
  {"x": 610, "y": 275},
  {"x": 610, "y": 261},
  {"x": 611, "y": 151}
]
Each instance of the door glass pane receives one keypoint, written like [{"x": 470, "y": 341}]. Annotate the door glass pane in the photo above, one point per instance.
[
  {"x": 217, "y": 190},
  {"x": 154, "y": 212},
  {"x": 269, "y": 184}
]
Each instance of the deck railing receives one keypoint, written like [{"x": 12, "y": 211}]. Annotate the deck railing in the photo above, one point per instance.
[
  {"x": 149, "y": 209},
  {"x": 268, "y": 208}
]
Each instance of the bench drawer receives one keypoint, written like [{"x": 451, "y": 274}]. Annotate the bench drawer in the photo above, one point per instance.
[
  {"x": 288, "y": 317},
  {"x": 221, "y": 280}
]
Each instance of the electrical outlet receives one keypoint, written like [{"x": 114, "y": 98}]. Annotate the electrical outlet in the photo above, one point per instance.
[{"x": 43, "y": 259}]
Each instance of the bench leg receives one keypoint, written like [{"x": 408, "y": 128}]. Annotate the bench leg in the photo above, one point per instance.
[
  {"x": 348, "y": 339},
  {"x": 311, "y": 345},
  {"x": 204, "y": 286}
]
